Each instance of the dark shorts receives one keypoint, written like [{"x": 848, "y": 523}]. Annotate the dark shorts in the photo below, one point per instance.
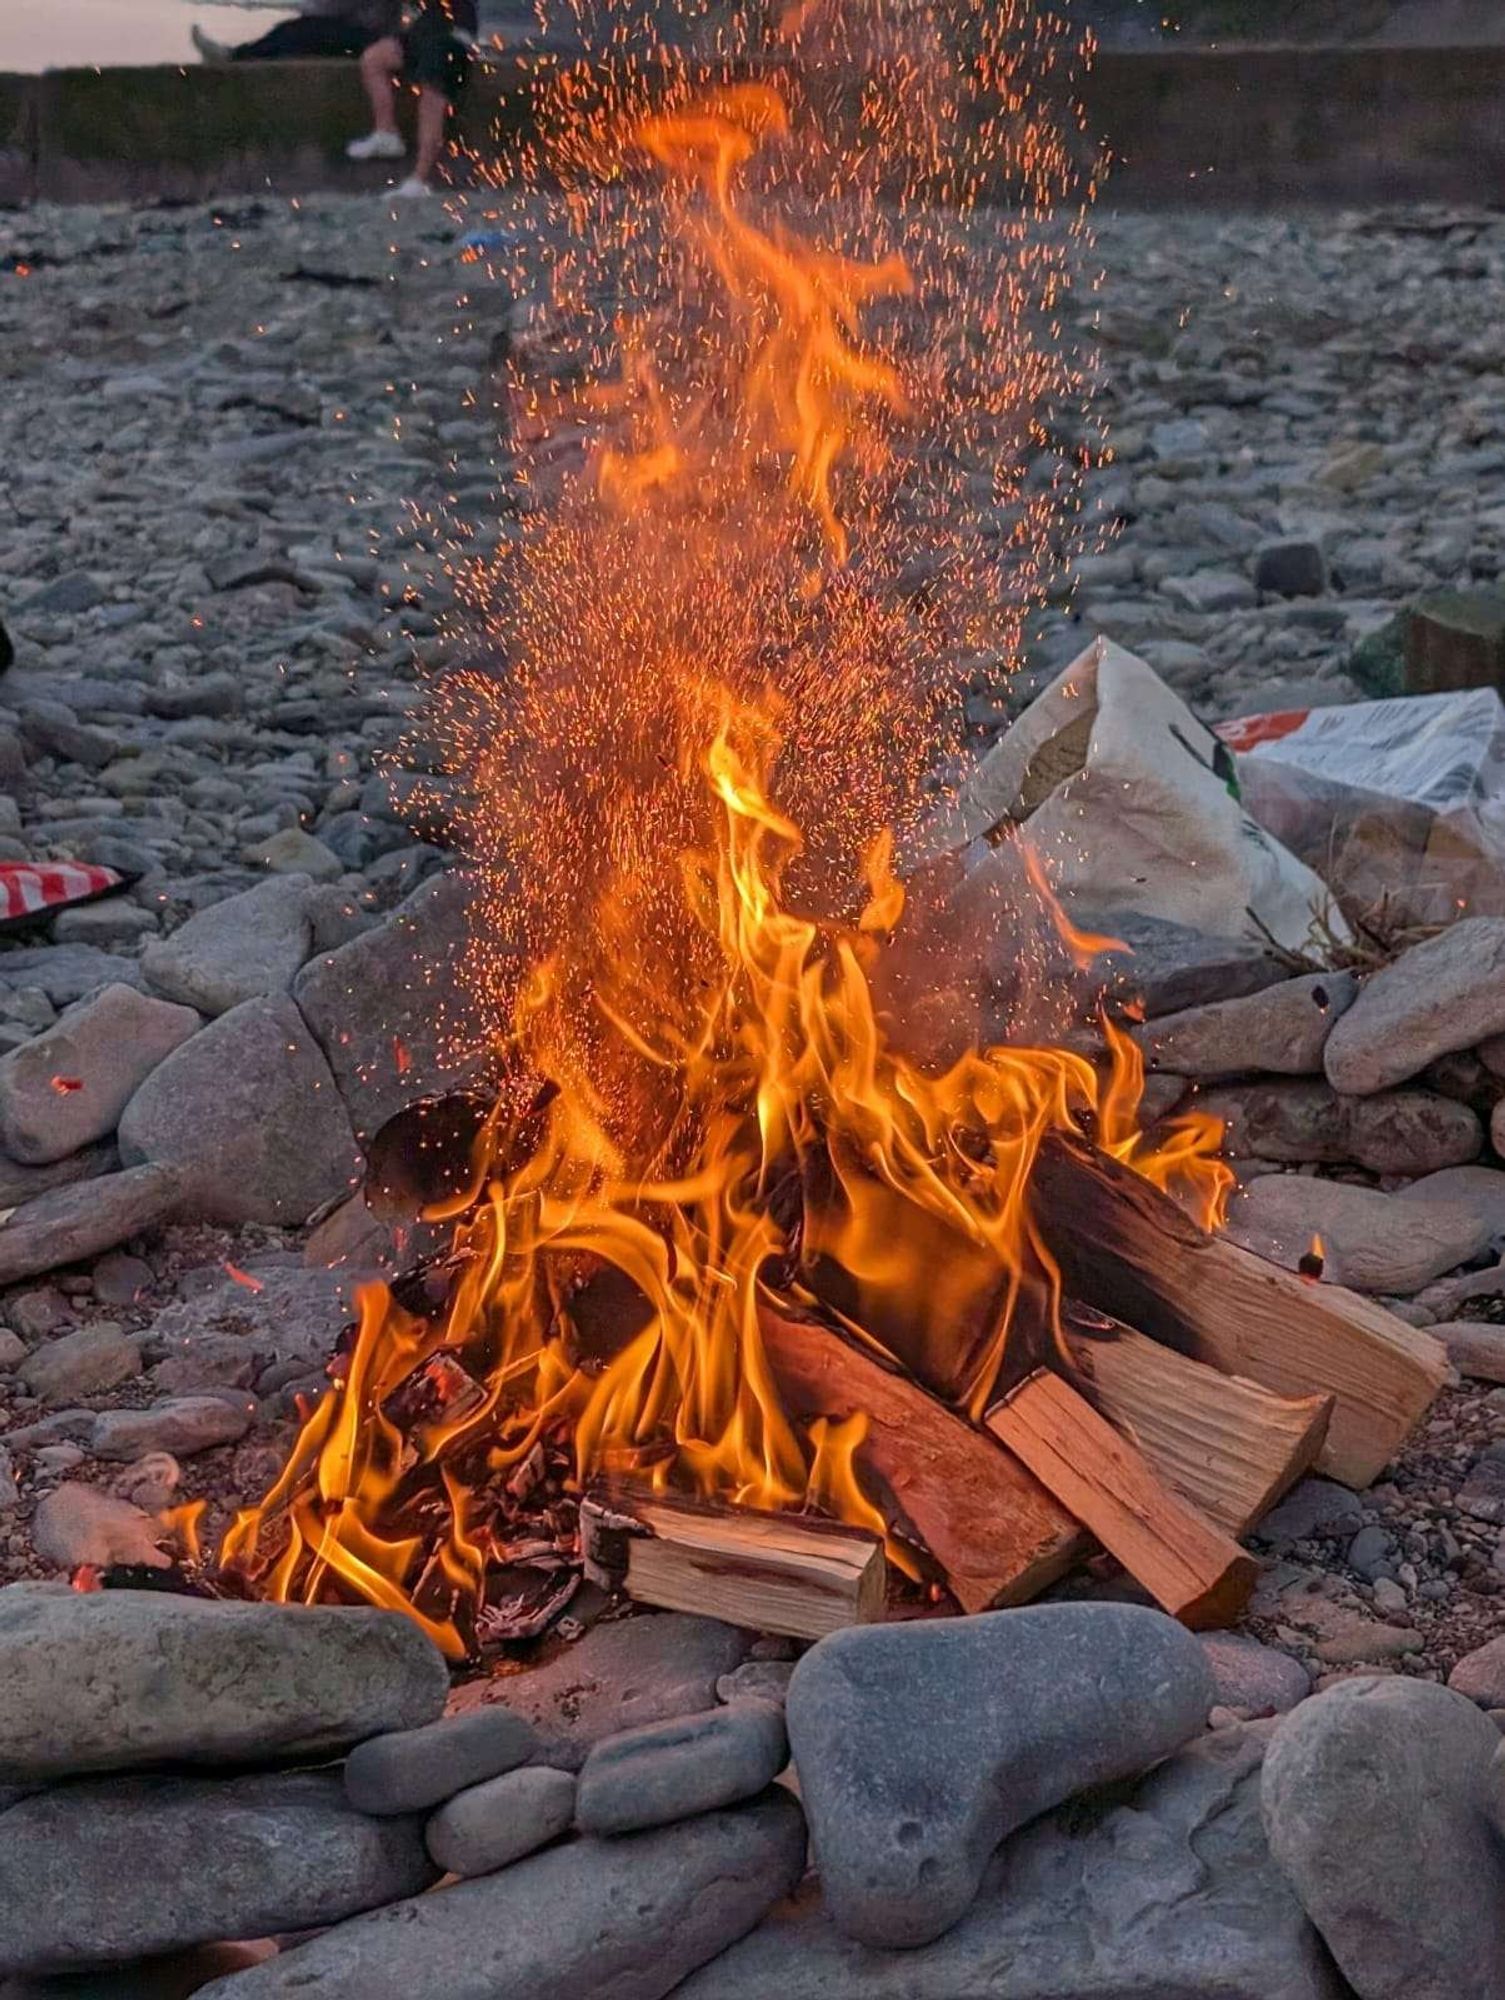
[{"x": 432, "y": 55}]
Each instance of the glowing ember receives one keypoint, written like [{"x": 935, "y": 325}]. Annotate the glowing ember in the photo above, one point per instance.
[{"x": 732, "y": 644}]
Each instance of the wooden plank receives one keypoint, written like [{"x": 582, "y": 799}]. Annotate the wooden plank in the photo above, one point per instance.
[
  {"x": 770, "y": 1572},
  {"x": 1191, "y": 1569},
  {"x": 1231, "y": 1447},
  {"x": 997, "y": 1535},
  {"x": 1131, "y": 1252}
]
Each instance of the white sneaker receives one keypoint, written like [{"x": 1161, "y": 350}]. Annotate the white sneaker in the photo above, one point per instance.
[
  {"x": 412, "y": 189},
  {"x": 211, "y": 50},
  {"x": 377, "y": 146}
]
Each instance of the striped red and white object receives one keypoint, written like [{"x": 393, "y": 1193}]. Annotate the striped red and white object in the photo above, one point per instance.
[{"x": 31, "y": 888}]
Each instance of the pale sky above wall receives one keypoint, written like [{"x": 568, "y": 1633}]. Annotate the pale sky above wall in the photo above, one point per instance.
[{"x": 50, "y": 34}]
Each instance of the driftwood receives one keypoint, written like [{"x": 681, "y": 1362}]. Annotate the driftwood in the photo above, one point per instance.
[
  {"x": 995, "y": 1533},
  {"x": 1231, "y": 1447},
  {"x": 1191, "y": 1569},
  {"x": 783, "y": 1573},
  {"x": 1128, "y": 1250}
]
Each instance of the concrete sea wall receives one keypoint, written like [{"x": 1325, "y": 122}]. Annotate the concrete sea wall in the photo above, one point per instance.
[{"x": 1221, "y": 126}]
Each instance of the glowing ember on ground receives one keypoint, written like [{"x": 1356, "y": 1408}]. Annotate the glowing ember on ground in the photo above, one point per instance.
[{"x": 806, "y": 387}]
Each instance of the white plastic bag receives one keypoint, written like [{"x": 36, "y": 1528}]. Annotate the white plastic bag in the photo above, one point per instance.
[
  {"x": 1399, "y": 805},
  {"x": 1132, "y": 804}
]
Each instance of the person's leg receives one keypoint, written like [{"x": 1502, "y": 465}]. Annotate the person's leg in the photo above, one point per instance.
[
  {"x": 379, "y": 66},
  {"x": 433, "y": 115}
]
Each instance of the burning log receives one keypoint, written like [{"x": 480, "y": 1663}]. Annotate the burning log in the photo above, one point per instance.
[
  {"x": 783, "y": 1573},
  {"x": 1128, "y": 1250},
  {"x": 1227, "y": 1445},
  {"x": 1190, "y": 1568},
  {"x": 997, "y": 1535}
]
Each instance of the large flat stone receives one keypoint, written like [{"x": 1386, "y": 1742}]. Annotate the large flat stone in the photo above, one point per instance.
[
  {"x": 1281, "y": 1031},
  {"x": 627, "y": 1918},
  {"x": 67, "y": 972},
  {"x": 81, "y": 1363},
  {"x": 1373, "y": 1242},
  {"x": 73, "y": 1223},
  {"x": 1444, "y": 994},
  {"x": 1304, "y": 1120},
  {"x": 919, "y": 1747},
  {"x": 248, "y": 1115},
  {"x": 619, "y": 1676},
  {"x": 1168, "y": 968},
  {"x": 239, "y": 949},
  {"x": 1383, "y": 1807},
  {"x": 118, "y": 1680},
  {"x": 287, "y": 1315},
  {"x": 69, "y": 1085},
  {"x": 110, "y": 1869},
  {"x": 1169, "y": 1896},
  {"x": 382, "y": 1006}
]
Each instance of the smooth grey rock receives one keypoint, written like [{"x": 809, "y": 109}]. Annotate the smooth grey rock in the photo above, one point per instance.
[
  {"x": 1475, "y": 1348},
  {"x": 919, "y": 1747},
  {"x": 184, "y": 1425},
  {"x": 668, "y": 1771},
  {"x": 1480, "y": 1188},
  {"x": 81, "y": 1363},
  {"x": 637, "y": 1670},
  {"x": 154, "y": 1678},
  {"x": 73, "y": 1223},
  {"x": 248, "y": 1115},
  {"x": 294, "y": 852},
  {"x": 239, "y": 949},
  {"x": 1373, "y": 1242},
  {"x": 494, "y": 1824},
  {"x": 77, "y": 1524},
  {"x": 67, "y": 972},
  {"x": 1171, "y": 1895},
  {"x": 1443, "y": 994},
  {"x": 52, "y": 728},
  {"x": 69, "y": 1085},
  {"x": 1290, "y": 569},
  {"x": 1382, "y": 1803},
  {"x": 1481, "y": 1675},
  {"x": 113, "y": 920},
  {"x": 1372, "y": 1552},
  {"x": 762, "y": 1680},
  {"x": 1169, "y": 968},
  {"x": 76, "y": 592},
  {"x": 1281, "y": 1031},
  {"x": 19, "y": 1185},
  {"x": 1307, "y": 1121},
  {"x": 415, "y": 1769},
  {"x": 1482, "y": 1494},
  {"x": 205, "y": 694},
  {"x": 1251, "y": 1678},
  {"x": 377, "y": 1005},
  {"x": 627, "y": 1918},
  {"x": 292, "y": 1316},
  {"x": 110, "y": 1869},
  {"x": 1314, "y": 1509}
]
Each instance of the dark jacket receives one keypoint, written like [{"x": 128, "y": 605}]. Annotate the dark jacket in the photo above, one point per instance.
[{"x": 377, "y": 17}]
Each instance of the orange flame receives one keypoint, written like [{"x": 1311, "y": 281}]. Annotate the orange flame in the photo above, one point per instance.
[
  {"x": 785, "y": 1078},
  {"x": 713, "y": 718}
]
